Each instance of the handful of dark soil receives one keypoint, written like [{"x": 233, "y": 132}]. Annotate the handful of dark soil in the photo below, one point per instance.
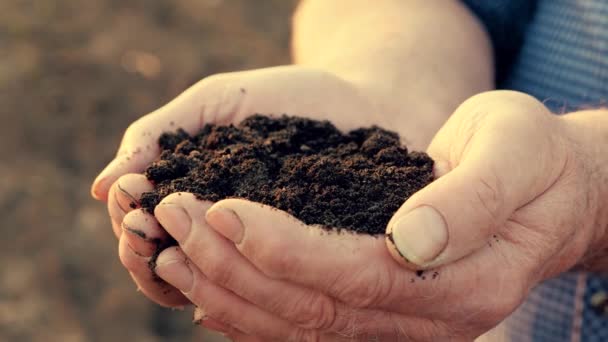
[{"x": 308, "y": 168}]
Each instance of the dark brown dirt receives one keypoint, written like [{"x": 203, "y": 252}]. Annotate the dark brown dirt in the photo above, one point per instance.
[{"x": 308, "y": 168}]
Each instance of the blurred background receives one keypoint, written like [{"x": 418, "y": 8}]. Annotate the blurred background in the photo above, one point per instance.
[{"x": 73, "y": 75}]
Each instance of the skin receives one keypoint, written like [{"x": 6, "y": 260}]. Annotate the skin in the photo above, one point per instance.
[
  {"x": 355, "y": 77},
  {"x": 526, "y": 180},
  {"x": 285, "y": 281}
]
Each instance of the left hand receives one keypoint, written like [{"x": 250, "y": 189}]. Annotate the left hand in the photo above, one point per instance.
[{"x": 516, "y": 201}]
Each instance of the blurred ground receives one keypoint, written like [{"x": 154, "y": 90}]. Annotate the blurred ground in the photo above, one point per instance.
[{"x": 73, "y": 74}]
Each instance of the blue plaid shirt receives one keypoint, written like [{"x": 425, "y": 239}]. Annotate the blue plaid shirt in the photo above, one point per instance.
[{"x": 557, "y": 51}]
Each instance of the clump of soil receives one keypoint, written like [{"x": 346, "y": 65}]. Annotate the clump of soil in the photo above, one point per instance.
[{"x": 308, "y": 168}]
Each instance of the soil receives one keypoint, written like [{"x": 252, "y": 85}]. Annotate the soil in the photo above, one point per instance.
[{"x": 353, "y": 181}]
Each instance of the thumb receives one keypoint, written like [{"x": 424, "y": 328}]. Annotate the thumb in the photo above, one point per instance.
[
  {"x": 139, "y": 146},
  {"x": 501, "y": 164},
  {"x": 189, "y": 111}
]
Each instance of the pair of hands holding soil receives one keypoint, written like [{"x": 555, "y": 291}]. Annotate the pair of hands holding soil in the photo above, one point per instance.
[{"x": 519, "y": 196}]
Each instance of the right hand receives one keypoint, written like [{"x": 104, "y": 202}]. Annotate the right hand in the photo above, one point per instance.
[
  {"x": 220, "y": 99},
  {"x": 519, "y": 199}
]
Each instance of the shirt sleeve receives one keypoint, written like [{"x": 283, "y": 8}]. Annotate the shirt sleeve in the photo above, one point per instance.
[{"x": 506, "y": 22}]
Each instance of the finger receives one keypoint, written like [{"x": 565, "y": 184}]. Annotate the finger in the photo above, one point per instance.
[
  {"x": 381, "y": 326},
  {"x": 115, "y": 212},
  {"x": 238, "y": 336},
  {"x": 146, "y": 239},
  {"x": 143, "y": 233},
  {"x": 354, "y": 269},
  {"x": 493, "y": 173},
  {"x": 222, "y": 305},
  {"x": 218, "y": 259},
  {"x": 153, "y": 287},
  {"x": 124, "y": 197},
  {"x": 202, "y": 319},
  {"x": 362, "y": 325},
  {"x": 132, "y": 160},
  {"x": 359, "y": 271}
]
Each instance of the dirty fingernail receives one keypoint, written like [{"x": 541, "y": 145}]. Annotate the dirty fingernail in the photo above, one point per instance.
[
  {"x": 138, "y": 241},
  {"x": 174, "y": 219},
  {"x": 175, "y": 272},
  {"x": 421, "y": 235},
  {"x": 226, "y": 222},
  {"x": 125, "y": 199}
]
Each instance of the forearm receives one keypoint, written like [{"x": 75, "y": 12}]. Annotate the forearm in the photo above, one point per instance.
[
  {"x": 590, "y": 131},
  {"x": 416, "y": 59}
]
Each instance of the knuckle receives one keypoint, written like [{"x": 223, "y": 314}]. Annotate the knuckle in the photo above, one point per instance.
[
  {"x": 221, "y": 314},
  {"x": 133, "y": 134},
  {"x": 489, "y": 193},
  {"x": 275, "y": 259},
  {"x": 500, "y": 107},
  {"x": 211, "y": 81},
  {"x": 218, "y": 269},
  {"x": 134, "y": 129},
  {"x": 367, "y": 288},
  {"x": 435, "y": 329},
  {"x": 313, "y": 311},
  {"x": 510, "y": 98}
]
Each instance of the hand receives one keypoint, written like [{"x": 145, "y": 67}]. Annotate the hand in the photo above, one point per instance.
[
  {"x": 221, "y": 99},
  {"x": 516, "y": 193}
]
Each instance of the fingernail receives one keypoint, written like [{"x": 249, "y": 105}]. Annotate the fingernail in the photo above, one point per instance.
[
  {"x": 119, "y": 204},
  {"x": 130, "y": 247},
  {"x": 175, "y": 272},
  {"x": 124, "y": 198},
  {"x": 95, "y": 193},
  {"x": 101, "y": 184},
  {"x": 201, "y": 318},
  {"x": 174, "y": 219},
  {"x": 226, "y": 222},
  {"x": 421, "y": 235},
  {"x": 214, "y": 325},
  {"x": 98, "y": 189},
  {"x": 138, "y": 241}
]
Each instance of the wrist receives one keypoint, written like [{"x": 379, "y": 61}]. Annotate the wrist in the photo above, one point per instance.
[{"x": 588, "y": 132}]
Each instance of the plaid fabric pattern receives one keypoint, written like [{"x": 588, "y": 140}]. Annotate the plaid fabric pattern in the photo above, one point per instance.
[
  {"x": 563, "y": 61},
  {"x": 594, "y": 321},
  {"x": 564, "y": 58}
]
